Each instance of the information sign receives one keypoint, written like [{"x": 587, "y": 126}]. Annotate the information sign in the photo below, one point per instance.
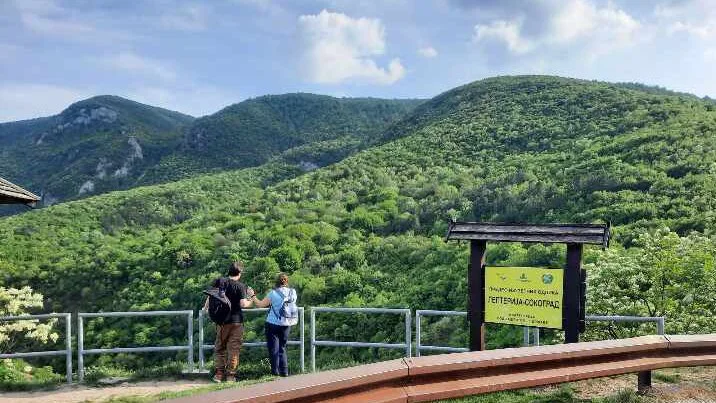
[{"x": 524, "y": 296}]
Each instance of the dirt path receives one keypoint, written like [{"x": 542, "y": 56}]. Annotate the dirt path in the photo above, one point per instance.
[{"x": 72, "y": 394}]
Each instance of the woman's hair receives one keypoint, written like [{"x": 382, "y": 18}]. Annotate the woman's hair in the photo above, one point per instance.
[{"x": 281, "y": 280}]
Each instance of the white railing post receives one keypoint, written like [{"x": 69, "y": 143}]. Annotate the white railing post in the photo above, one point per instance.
[
  {"x": 302, "y": 339},
  {"x": 68, "y": 346},
  {"x": 201, "y": 339},
  {"x": 313, "y": 340},
  {"x": 190, "y": 340},
  {"x": 408, "y": 335},
  {"x": 417, "y": 333},
  {"x": 80, "y": 349}
]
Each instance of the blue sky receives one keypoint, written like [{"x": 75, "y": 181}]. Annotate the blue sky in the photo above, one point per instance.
[{"x": 199, "y": 56}]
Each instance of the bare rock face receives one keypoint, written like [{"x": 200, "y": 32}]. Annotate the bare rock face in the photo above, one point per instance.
[
  {"x": 136, "y": 155},
  {"x": 87, "y": 187},
  {"x": 102, "y": 167},
  {"x": 85, "y": 117}
]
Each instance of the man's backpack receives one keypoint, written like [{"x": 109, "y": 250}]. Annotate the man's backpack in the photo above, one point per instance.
[
  {"x": 288, "y": 311},
  {"x": 219, "y": 308}
]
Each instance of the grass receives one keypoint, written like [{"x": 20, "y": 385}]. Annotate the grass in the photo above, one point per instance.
[
  {"x": 668, "y": 378},
  {"x": 18, "y": 375},
  {"x": 564, "y": 394},
  {"x": 201, "y": 389}
]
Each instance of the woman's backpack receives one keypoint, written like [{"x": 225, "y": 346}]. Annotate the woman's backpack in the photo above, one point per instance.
[
  {"x": 219, "y": 308},
  {"x": 287, "y": 313}
]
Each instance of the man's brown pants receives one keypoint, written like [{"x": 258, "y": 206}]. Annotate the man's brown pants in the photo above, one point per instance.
[{"x": 229, "y": 338}]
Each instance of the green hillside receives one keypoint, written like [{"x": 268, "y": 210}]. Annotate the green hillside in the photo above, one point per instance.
[
  {"x": 108, "y": 143},
  {"x": 96, "y": 145},
  {"x": 251, "y": 132},
  {"x": 367, "y": 231}
]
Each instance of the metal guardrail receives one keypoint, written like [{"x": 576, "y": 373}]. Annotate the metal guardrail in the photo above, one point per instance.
[
  {"x": 659, "y": 320},
  {"x": 67, "y": 352},
  {"x": 330, "y": 343},
  {"x": 419, "y": 347},
  {"x": 660, "y": 324},
  {"x": 300, "y": 342},
  {"x": 81, "y": 352}
]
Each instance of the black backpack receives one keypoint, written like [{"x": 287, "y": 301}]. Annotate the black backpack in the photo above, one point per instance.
[{"x": 219, "y": 308}]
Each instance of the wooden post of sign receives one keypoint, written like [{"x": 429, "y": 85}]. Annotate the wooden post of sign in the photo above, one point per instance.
[
  {"x": 572, "y": 276},
  {"x": 476, "y": 294}
]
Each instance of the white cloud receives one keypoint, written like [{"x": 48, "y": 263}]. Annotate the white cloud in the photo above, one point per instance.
[
  {"x": 340, "y": 48},
  {"x": 574, "y": 23},
  {"x": 695, "y": 18},
  {"x": 53, "y": 24},
  {"x": 48, "y": 17},
  {"x": 507, "y": 32},
  {"x": 189, "y": 17},
  {"x": 27, "y": 101},
  {"x": 428, "y": 52},
  {"x": 133, "y": 63}
]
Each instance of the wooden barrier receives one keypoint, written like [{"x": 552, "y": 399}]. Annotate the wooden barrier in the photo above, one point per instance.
[{"x": 427, "y": 378}]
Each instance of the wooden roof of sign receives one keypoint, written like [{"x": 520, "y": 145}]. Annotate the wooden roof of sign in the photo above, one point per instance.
[
  {"x": 10, "y": 193},
  {"x": 596, "y": 234}
]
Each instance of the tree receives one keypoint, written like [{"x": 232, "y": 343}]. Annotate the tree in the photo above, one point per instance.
[
  {"x": 15, "y": 302},
  {"x": 664, "y": 275}
]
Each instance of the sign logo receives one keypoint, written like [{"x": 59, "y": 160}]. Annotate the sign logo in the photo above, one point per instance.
[
  {"x": 524, "y": 278},
  {"x": 547, "y": 278}
]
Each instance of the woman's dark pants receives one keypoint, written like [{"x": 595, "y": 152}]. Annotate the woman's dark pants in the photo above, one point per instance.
[{"x": 276, "y": 339}]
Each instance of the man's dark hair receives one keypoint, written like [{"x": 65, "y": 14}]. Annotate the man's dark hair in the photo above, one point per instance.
[{"x": 235, "y": 268}]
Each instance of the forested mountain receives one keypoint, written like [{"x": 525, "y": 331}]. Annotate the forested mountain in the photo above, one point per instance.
[
  {"x": 367, "y": 231},
  {"x": 251, "y": 132},
  {"x": 96, "y": 145},
  {"x": 108, "y": 143}
]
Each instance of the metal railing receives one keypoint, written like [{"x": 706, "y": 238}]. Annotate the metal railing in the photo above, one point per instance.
[
  {"x": 67, "y": 352},
  {"x": 419, "y": 347},
  {"x": 330, "y": 343},
  {"x": 81, "y": 352},
  {"x": 300, "y": 342},
  {"x": 659, "y": 320}
]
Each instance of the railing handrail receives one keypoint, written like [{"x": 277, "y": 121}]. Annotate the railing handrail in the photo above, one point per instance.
[
  {"x": 399, "y": 311},
  {"x": 419, "y": 313},
  {"x": 81, "y": 352},
  {"x": 455, "y": 375},
  {"x": 127, "y": 314},
  {"x": 67, "y": 352},
  {"x": 189, "y": 347}
]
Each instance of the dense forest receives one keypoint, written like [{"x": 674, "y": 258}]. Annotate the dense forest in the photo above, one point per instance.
[
  {"x": 369, "y": 230},
  {"x": 109, "y": 143}
]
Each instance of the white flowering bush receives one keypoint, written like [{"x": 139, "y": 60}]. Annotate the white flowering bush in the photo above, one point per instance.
[
  {"x": 14, "y": 302},
  {"x": 664, "y": 274}
]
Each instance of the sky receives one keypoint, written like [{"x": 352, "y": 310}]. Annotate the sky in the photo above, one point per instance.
[{"x": 197, "y": 57}]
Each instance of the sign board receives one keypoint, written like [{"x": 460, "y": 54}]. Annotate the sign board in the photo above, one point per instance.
[{"x": 524, "y": 296}]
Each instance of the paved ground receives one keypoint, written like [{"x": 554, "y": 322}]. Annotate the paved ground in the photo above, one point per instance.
[{"x": 75, "y": 393}]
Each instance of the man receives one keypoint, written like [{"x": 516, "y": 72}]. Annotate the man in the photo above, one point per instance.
[{"x": 230, "y": 335}]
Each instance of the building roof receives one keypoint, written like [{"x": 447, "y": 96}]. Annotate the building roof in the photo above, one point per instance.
[
  {"x": 10, "y": 193},
  {"x": 597, "y": 234}
]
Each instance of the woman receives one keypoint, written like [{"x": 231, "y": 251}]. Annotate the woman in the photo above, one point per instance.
[{"x": 278, "y": 322}]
